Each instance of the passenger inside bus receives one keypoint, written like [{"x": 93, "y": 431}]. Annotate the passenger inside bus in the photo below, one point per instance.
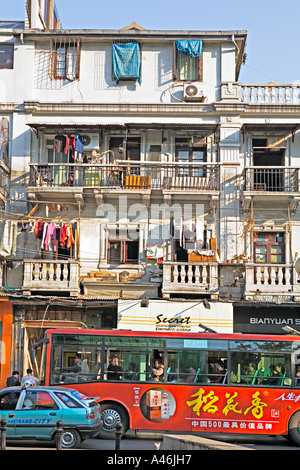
[
  {"x": 219, "y": 372},
  {"x": 158, "y": 370},
  {"x": 114, "y": 371}
]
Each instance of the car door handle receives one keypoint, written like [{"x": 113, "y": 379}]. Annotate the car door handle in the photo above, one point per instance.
[
  {"x": 11, "y": 415},
  {"x": 52, "y": 414}
]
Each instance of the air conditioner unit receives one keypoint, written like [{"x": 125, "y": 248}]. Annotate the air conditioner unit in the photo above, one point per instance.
[
  {"x": 193, "y": 91},
  {"x": 90, "y": 141}
]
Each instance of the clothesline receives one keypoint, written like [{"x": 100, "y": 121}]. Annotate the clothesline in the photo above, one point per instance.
[{"x": 46, "y": 232}]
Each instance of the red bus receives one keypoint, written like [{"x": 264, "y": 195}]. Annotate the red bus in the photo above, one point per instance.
[{"x": 187, "y": 382}]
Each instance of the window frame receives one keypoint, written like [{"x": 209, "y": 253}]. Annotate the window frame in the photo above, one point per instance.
[
  {"x": 176, "y": 71},
  {"x": 67, "y": 56},
  {"x": 10, "y": 53}
]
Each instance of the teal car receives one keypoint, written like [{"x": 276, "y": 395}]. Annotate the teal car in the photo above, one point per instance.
[{"x": 32, "y": 414}]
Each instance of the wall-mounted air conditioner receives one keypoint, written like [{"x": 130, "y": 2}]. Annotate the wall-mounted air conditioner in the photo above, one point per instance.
[
  {"x": 90, "y": 141},
  {"x": 193, "y": 91}
]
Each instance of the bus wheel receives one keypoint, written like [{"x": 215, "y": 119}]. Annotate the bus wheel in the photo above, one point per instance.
[
  {"x": 294, "y": 428},
  {"x": 112, "y": 413}
]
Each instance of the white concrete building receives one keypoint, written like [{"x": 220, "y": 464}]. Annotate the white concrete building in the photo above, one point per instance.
[{"x": 181, "y": 188}]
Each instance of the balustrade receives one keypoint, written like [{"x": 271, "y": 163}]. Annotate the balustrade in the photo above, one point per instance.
[{"x": 53, "y": 275}]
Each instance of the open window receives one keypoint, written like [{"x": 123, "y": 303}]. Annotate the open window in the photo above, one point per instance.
[
  {"x": 268, "y": 177},
  {"x": 122, "y": 250},
  {"x": 187, "y": 60}
]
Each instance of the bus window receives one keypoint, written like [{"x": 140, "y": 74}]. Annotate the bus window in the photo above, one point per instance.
[
  {"x": 217, "y": 362},
  {"x": 70, "y": 365},
  {"x": 137, "y": 365},
  {"x": 260, "y": 369},
  {"x": 187, "y": 366},
  {"x": 114, "y": 364}
]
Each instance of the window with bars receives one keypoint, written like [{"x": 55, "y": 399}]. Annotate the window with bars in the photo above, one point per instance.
[{"x": 65, "y": 62}]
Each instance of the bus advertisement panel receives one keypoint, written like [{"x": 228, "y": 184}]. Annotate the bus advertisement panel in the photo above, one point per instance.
[{"x": 192, "y": 382}]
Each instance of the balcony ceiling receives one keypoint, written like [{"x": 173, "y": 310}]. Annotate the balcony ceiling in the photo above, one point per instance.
[{"x": 69, "y": 128}]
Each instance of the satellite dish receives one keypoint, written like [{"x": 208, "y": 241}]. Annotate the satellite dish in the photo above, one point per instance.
[{"x": 297, "y": 265}]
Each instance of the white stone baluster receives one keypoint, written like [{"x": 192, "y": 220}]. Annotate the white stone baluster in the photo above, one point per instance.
[
  {"x": 287, "y": 95},
  {"x": 258, "y": 275},
  {"x": 280, "y": 95},
  {"x": 294, "y": 94},
  {"x": 65, "y": 273},
  {"x": 204, "y": 274},
  {"x": 259, "y": 94},
  {"x": 43, "y": 272},
  {"x": 266, "y": 100},
  {"x": 273, "y": 94},
  {"x": 273, "y": 276},
  {"x": 176, "y": 274},
  {"x": 252, "y": 94},
  {"x": 197, "y": 274},
  {"x": 280, "y": 276},
  {"x": 190, "y": 274},
  {"x": 51, "y": 272}
]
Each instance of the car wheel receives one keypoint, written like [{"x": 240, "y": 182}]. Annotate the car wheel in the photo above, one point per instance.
[
  {"x": 294, "y": 428},
  {"x": 70, "y": 439},
  {"x": 112, "y": 414}
]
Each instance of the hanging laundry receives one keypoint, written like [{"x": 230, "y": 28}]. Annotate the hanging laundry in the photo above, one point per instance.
[
  {"x": 50, "y": 235},
  {"x": 47, "y": 210},
  {"x": 70, "y": 140},
  {"x": 59, "y": 143},
  {"x": 78, "y": 143},
  {"x": 70, "y": 238},
  {"x": 38, "y": 229},
  {"x": 66, "y": 239}
]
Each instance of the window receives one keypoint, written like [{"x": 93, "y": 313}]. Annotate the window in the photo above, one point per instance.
[
  {"x": 269, "y": 247},
  {"x": 39, "y": 401},
  {"x": 66, "y": 60},
  {"x": 185, "y": 66},
  {"x": 122, "y": 250},
  {"x": 256, "y": 368},
  {"x": 186, "y": 153},
  {"x": 68, "y": 401},
  {"x": 126, "y": 61},
  {"x": 6, "y": 56}
]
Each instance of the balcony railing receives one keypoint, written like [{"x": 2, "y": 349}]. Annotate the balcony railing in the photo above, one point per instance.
[
  {"x": 275, "y": 178},
  {"x": 184, "y": 277},
  {"x": 51, "y": 275},
  {"x": 141, "y": 175},
  {"x": 269, "y": 278},
  {"x": 271, "y": 93}
]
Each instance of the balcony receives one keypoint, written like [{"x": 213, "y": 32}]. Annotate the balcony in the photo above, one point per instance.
[
  {"x": 132, "y": 178},
  {"x": 190, "y": 278},
  {"x": 44, "y": 276},
  {"x": 266, "y": 183},
  {"x": 261, "y": 94},
  {"x": 271, "y": 280}
]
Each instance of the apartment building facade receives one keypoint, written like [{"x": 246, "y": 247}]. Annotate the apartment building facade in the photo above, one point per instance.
[{"x": 142, "y": 185}]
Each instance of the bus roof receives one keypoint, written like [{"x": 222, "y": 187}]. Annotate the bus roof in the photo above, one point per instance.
[{"x": 170, "y": 334}]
